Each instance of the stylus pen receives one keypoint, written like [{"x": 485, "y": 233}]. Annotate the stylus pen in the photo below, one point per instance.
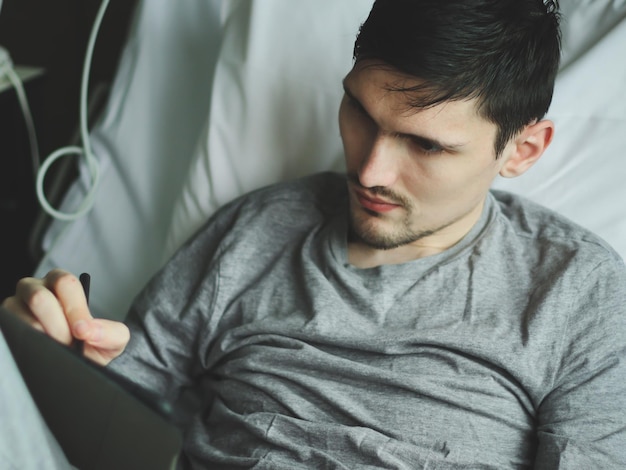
[{"x": 85, "y": 281}]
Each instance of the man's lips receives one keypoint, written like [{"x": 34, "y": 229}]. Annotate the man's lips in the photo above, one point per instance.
[{"x": 374, "y": 203}]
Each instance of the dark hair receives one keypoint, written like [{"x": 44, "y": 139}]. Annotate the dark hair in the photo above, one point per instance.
[{"x": 504, "y": 53}]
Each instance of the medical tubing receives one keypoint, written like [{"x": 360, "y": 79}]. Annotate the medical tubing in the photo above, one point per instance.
[{"x": 85, "y": 151}]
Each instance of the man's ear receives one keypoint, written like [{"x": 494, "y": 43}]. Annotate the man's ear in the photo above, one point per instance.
[{"x": 528, "y": 147}]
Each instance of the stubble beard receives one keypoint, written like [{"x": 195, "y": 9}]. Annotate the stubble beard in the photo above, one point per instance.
[
  {"x": 366, "y": 232},
  {"x": 365, "y": 224}
]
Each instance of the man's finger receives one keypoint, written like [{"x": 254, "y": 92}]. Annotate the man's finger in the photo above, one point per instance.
[
  {"x": 17, "y": 308},
  {"x": 70, "y": 295},
  {"x": 104, "y": 339},
  {"x": 40, "y": 303}
]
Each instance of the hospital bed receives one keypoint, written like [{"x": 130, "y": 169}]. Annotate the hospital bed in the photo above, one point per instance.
[{"x": 214, "y": 98}]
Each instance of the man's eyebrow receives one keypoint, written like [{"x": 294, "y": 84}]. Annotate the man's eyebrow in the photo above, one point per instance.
[
  {"x": 420, "y": 139},
  {"x": 431, "y": 142}
]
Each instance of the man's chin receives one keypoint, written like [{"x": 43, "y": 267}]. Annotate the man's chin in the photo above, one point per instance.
[{"x": 379, "y": 238}]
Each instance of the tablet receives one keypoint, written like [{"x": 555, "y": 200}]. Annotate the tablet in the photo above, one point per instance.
[{"x": 101, "y": 420}]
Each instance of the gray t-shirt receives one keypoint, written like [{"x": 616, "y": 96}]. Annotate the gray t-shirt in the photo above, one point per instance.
[{"x": 505, "y": 351}]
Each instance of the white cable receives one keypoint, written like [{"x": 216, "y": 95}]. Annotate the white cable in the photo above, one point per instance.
[
  {"x": 85, "y": 151},
  {"x": 6, "y": 69}
]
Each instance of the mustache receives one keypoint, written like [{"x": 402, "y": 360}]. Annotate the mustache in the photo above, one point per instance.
[{"x": 381, "y": 191}]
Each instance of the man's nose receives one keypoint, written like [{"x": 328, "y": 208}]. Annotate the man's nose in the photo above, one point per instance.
[{"x": 379, "y": 166}]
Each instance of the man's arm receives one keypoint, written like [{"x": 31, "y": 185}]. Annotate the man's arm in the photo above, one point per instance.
[{"x": 582, "y": 421}]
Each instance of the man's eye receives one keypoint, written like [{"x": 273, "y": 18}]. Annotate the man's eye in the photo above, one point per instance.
[{"x": 427, "y": 146}]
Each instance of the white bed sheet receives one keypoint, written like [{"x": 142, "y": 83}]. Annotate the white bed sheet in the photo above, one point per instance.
[
  {"x": 216, "y": 98},
  {"x": 144, "y": 141}
]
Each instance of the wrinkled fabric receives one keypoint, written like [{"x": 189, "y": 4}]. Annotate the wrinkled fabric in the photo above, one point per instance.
[{"x": 505, "y": 351}]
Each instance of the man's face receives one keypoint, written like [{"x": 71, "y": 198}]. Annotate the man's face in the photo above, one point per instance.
[{"x": 415, "y": 176}]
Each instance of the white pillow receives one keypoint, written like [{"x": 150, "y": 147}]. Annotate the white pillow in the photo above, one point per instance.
[
  {"x": 585, "y": 23},
  {"x": 276, "y": 94}
]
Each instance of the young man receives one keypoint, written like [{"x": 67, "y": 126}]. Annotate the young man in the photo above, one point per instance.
[{"x": 403, "y": 316}]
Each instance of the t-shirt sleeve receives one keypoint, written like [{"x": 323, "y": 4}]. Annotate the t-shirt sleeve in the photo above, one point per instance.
[
  {"x": 177, "y": 318},
  {"x": 175, "y": 312},
  {"x": 582, "y": 421}
]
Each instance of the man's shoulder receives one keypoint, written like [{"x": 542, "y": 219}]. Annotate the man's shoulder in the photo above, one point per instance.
[
  {"x": 541, "y": 227},
  {"x": 315, "y": 195},
  {"x": 286, "y": 207},
  {"x": 320, "y": 189}
]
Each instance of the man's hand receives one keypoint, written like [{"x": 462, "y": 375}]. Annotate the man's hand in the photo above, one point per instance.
[{"x": 57, "y": 305}]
